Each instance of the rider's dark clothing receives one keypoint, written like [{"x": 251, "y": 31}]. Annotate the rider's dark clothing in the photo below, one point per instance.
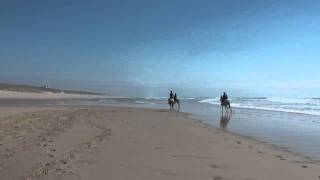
[
  {"x": 224, "y": 96},
  {"x": 171, "y": 95},
  {"x": 175, "y": 97}
]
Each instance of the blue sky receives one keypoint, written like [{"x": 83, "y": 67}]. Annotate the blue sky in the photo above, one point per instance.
[{"x": 144, "y": 48}]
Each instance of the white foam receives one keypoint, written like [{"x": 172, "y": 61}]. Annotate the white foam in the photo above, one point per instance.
[
  {"x": 155, "y": 98},
  {"x": 210, "y": 101},
  {"x": 290, "y": 100},
  {"x": 310, "y": 112},
  {"x": 289, "y": 105},
  {"x": 140, "y": 102}
]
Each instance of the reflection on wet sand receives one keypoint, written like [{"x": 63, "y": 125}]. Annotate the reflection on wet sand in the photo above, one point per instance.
[{"x": 224, "y": 120}]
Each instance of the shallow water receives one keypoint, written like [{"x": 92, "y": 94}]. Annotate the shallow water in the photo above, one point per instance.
[
  {"x": 295, "y": 105},
  {"x": 299, "y": 133}
]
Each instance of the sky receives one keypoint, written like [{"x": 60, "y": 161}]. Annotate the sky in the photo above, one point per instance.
[{"x": 146, "y": 47}]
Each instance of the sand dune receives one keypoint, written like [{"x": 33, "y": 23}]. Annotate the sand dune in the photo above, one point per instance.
[{"x": 48, "y": 95}]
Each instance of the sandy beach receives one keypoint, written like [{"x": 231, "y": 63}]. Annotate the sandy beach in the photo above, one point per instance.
[
  {"x": 49, "y": 95},
  {"x": 131, "y": 143},
  {"x": 160, "y": 90}
]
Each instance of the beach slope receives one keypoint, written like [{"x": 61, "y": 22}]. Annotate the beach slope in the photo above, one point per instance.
[{"x": 137, "y": 144}]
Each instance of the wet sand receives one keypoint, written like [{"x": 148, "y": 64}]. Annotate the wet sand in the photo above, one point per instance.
[
  {"x": 132, "y": 143},
  {"x": 298, "y": 133}
]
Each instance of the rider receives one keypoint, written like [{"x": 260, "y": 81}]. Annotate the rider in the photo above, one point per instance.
[
  {"x": 224, "y": 96},
  {"x": 175, "y": 97},
  {"x": 171, "y": 94}
]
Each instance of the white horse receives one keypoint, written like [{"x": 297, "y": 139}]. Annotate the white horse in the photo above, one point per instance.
[{"x": 174, "y": 103}]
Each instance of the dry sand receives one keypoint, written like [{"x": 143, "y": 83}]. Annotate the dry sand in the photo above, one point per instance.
[
  {"x": 135, "y": 144},
  {"x": 48, "y": 95}
]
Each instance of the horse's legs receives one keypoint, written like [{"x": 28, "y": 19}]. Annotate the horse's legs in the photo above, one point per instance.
[{"x": 229, "y": 106}]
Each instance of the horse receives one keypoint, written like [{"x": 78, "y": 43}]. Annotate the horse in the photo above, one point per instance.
[
  {"x": 173, "y": 102},
  {"x": 225, "y": 104}
]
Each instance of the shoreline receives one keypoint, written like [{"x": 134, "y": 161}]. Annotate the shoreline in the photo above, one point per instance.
[
  {"x": 154, "y": 138},
  {"x": 274, "y": 128},
  {"x": 264, "y": 143}
]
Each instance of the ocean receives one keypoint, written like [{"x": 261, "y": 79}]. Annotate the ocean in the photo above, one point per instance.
[{"x": 293, "y": 105}]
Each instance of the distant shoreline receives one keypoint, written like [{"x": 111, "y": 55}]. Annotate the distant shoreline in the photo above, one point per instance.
[
  {"x": 42, "y": 89},
  {"x": 16, "y": 91}
]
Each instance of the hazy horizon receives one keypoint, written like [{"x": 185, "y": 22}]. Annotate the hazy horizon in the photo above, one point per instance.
[{"x": 145, "y": 48}]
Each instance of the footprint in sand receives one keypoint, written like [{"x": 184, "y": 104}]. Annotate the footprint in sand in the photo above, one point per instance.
[
  {"x": 86, "y": 161},
  {"x": 3, "y": 166},
  {"x": 8, "y": 152},
  {"x": 217, "y": 178},
  {"x": 158, "y": 148},
  {"x": 63, "y": 161},
  {"x": 60, "y": 171},
  {"x": 51, "y": 155},
  {"x": 280, "y": 157},
  {"x": 213, "y": 166},
  {"x": 259, "y": 152}
]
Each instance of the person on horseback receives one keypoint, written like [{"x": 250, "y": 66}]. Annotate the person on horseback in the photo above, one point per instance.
[
  {"x": 225, "y": 102},
  {"x": 175, "y": 97},
  {"x": 224, "y": 97},
  {"x": 171, "y": 94}
]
